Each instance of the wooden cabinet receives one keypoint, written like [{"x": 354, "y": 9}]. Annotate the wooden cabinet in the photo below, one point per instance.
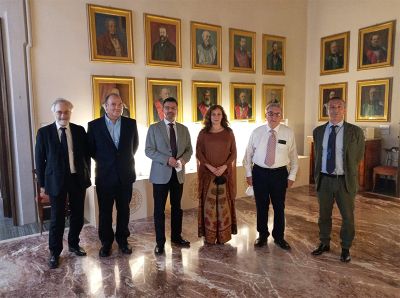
[{"x": 372, "y": 158}]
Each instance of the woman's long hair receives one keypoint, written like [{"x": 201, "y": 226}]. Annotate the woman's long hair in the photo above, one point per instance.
[{"x": 207, "y": 118}]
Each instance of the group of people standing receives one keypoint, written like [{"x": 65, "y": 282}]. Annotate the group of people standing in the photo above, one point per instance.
[{"x": 63, "y": 152}]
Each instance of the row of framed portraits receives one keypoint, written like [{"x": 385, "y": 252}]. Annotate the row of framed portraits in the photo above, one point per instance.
[
  {"x": 110, "y": 34},
  {"x": 242, "y": 103},
  {"x": 375, "y": 49},
  {"x": 373, "y": 99}
]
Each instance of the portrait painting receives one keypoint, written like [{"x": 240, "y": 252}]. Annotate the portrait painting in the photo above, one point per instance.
[
  {"x": 102, "y": 86},
  {"x": 206, "y": 46},
  {"x": 273, "y": 93},
  {"x": 335, "y": 53},
  {"x": 375, "y": 46},
  {"x": 110, "y": 34},
  {"x": 204, "y": 94},
  {"x": 242, "y": 50},
  {"x": 157, "y": 91},
  {"x": 373, "y": 100},
  {"x": 242, "y": 101},
  {"x": 326, "y": 92},
  {"x": 273, "y": 54},
  {"x": 163, "y": 41}
]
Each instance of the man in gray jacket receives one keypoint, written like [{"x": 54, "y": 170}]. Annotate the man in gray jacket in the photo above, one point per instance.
[{"x": 169, "y": 147}]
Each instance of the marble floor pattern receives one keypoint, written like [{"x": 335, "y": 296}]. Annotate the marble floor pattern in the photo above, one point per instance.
[{"x": 235, "y": 269}]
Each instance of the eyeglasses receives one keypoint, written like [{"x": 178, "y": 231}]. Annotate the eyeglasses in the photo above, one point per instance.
[{"x": 272, "y": 114}]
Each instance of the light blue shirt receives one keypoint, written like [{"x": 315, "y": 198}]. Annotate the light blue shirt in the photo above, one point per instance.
[
  {"x": 339, "y": 170},
  {"x": 114, "y": 129}
]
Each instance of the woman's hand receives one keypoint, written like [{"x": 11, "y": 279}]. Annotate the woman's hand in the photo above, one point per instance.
[{"x": 220, "y": 170}]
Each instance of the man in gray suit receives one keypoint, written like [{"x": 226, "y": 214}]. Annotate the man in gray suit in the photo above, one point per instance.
[{"x": 169, "y": 147}]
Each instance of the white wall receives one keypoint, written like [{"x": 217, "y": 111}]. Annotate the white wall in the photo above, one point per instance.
[{"x": 336, "y": 16}]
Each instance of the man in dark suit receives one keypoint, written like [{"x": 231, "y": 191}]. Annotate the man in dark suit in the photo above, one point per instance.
[
  {"x": 338, "y": 149},
  {"x": 113, "y": 141},
  {"x": 169, "y": 147},
  {"x": 63, "y": 169}
]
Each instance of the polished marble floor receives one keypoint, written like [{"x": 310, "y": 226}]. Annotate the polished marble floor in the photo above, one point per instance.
[{"x": 235, "y": 269}]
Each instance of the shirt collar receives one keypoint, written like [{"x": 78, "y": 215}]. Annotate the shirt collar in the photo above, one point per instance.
[
  {"x": 340, "y": 124},
  {"x": 276, "y": 129},
  {"x": 108, "y": 120},
  {"x": 59, "y": 126},
  {"x": 168, "y": 122}
]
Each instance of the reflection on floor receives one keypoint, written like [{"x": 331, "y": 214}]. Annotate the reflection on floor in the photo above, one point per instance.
[{"x": 235, "y": 269}]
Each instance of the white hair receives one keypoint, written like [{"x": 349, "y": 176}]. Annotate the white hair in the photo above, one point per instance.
[{"x": 61, "y": 101}]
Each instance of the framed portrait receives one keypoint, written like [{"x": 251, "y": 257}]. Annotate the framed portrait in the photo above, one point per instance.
[
  {"x": 204, "y": 95},
  {"x": 157, "y": 91},
  {"x": 242, "y": 51},
  {"x": 110, "y": 34},
  {"x": 326, "y": 92},
  {"x": 206, "y": 46},
  {"x": 335, "y": 53},
  {"x": 273, "y": 54},
  {"x": 273, "y": 93},
  {"x": 163, "y": 41},
  {"x": 123, "y": 86},
  {"x": 243, "y": 101},
  {"x": 375, "y": 46},
  {"x": 373, "y": 100}
]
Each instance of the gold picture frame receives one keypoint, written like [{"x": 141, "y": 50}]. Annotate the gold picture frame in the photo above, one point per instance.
[
  {"x": 159, "y": 89},
  {"x": 204, "y": 95},
  {"x": 335, "y": 53},
  {"x": 243, "y": 101},
  {"x": 273, "y": 54},
  {"x": 105, "y": 22},
  {"x": 375, "y": 46},
  {"x": 206, "y": 44},
  {"x": 242, "y": 51},
  {"x": 163, "y": 41},
  {"x": 273, "y": 93},
  {"x": 373, "y": 100},
  {"x": 104, "y": 85},
  {"x": 327, "y": 91}
]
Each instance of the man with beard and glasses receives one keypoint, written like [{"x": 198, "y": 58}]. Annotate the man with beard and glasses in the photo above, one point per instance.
[
  {"x": 206, "y": 51},
  {"x": 163, "y": 49}
]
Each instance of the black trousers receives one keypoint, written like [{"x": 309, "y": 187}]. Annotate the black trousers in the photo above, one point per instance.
[
  {"x": 106, "y": 195},
  {"x": 270, "y": 185},
  {"x": 160, "y": 194},
  {"x": 76, "y": 196}
]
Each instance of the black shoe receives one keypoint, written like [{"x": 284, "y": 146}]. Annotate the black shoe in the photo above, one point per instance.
[
  {"x": 320, "y": 249},
  {"x": 159, "y": 249},
  {"x": 261, "y": 241},
  {"x": 345, "y": 256},
  {"x": 79, "y": 251},
  {"x": 104, "y": 251},
  {"x": 53, "y": 261},
  {"x": 180, "y": 241},
  {"x": 282, "y": 244},
  {"x": 126, "y": 249}
]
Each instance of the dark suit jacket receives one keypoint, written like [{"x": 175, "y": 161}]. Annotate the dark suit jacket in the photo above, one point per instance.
[
  {"x": 114, "y": 166},
  {"x": 353, "y": 151},
  {"x": 50, "y": 163}
]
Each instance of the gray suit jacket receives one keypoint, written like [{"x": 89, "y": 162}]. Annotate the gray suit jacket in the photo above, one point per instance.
[
  {"x": 158, "y": 149},
  {"x": 353, "y": 152}
]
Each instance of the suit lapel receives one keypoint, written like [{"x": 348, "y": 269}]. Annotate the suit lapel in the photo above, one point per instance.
[
  {"x": 346, "y": 136},
  {"x": 54, "y": 135},
  {"x": 123, "y": 132},
  {"x": 106, "y": 132},
  {"x": 163, "y": 129}
]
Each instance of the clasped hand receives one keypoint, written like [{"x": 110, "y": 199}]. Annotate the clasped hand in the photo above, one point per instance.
[
  {"x": 172, "y": 162},
  {"x": 217, "y": 171}
]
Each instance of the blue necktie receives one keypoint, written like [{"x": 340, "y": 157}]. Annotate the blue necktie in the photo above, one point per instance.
[{"x": 331, "y": 153}]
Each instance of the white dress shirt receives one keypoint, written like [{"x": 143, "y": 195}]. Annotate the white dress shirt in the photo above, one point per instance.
[
  {"x": 339, "y": 170},
  {"x": 70, "y": 146},
  {"x": 285, "y": 153}
]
